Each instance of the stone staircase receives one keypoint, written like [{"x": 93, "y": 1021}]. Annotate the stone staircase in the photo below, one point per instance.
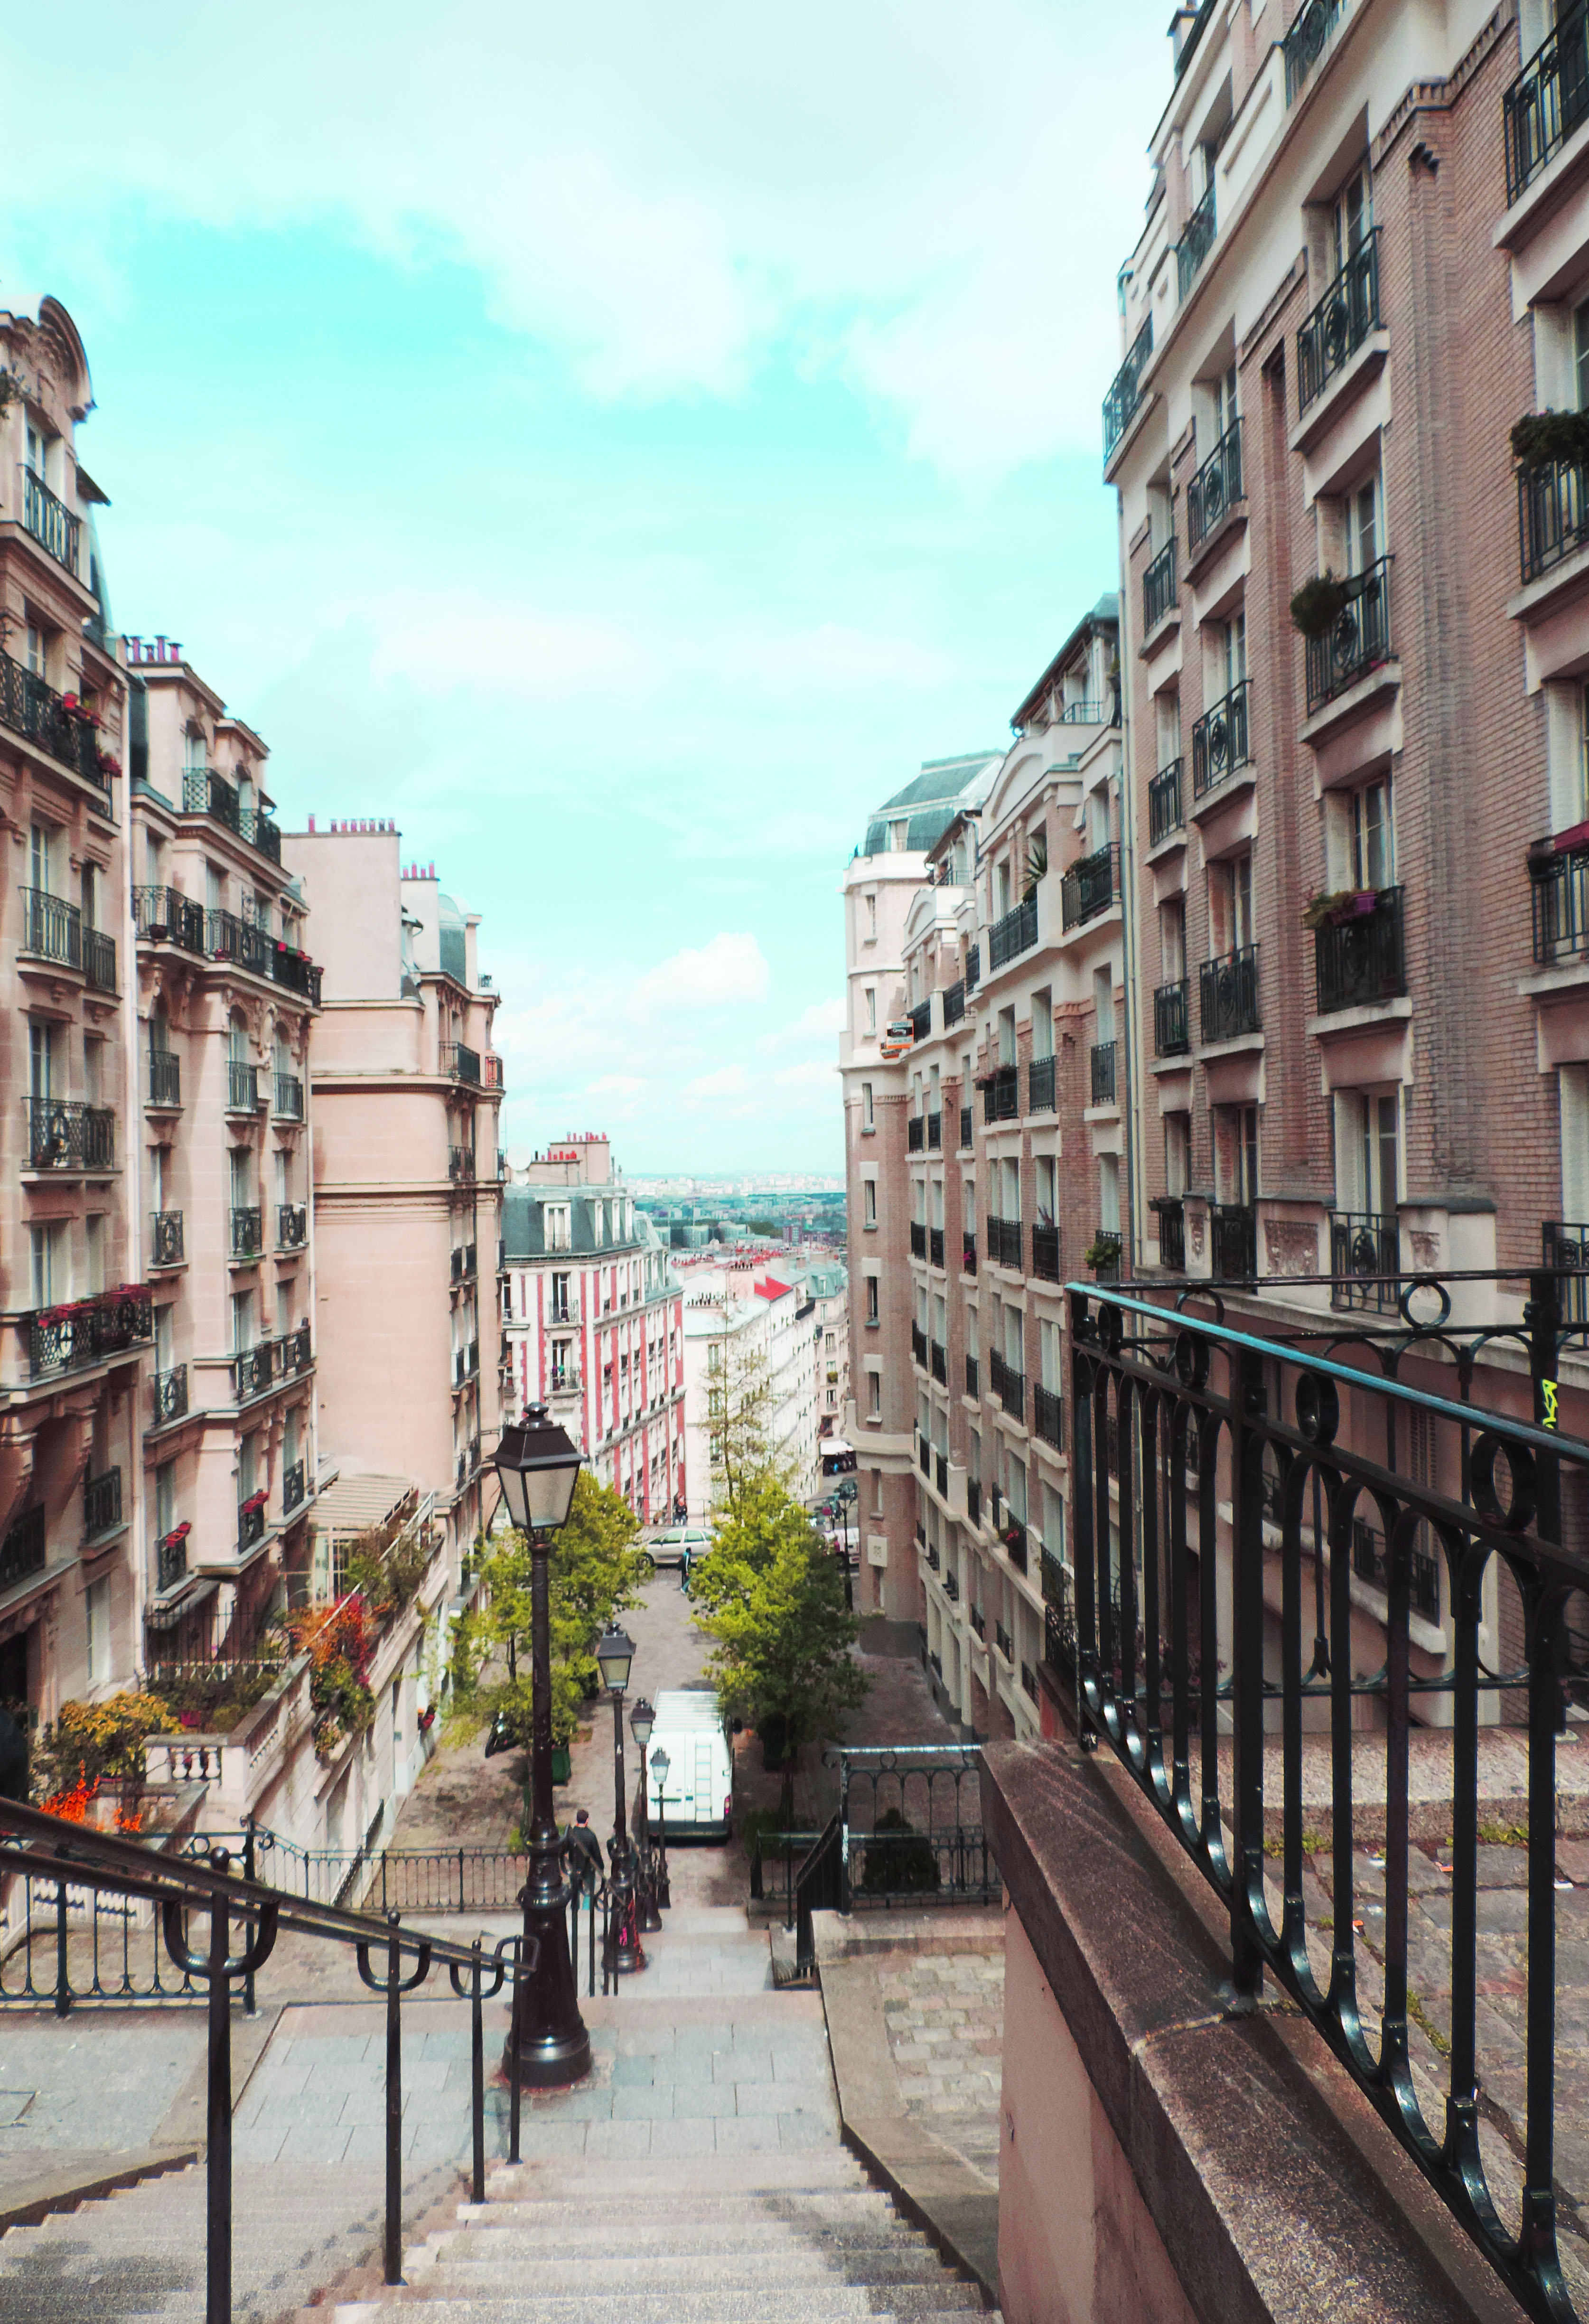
[{"x": 759, "y": 2239}]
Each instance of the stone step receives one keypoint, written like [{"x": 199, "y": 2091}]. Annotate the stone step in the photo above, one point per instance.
[
  {"x": 460, "y": 2267},
  {"x": 830, "y": 2304},
  {"x": 884, "y": 2231}
]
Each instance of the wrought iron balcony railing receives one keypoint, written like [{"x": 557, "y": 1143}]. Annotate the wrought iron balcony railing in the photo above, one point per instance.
[
  {"x": 935, "y": 1246},
  {"x": 918, "y": 1346},
  {"x": 971, "y": 1377},
  {"x": 1227, "y": 990},
  {"x": 165, "y": 1238},
  {"x": 954, "y": 1002},
  {"x": 1124, "y": 395},
  {"x": 951, "y": 1582},
  {"x": 915, "y": 1133},
  {"x": 169, "y": 1395},
  {"x": 1040, "y": 1086},
  {"x": 1165, "y": 812},
  {"x": 49, "y": 520},
  {"x": 1003, "y": 1242},
  {"x": 924, "y": 1455},
  {"x": 1360, "y": 961},
  {"x": 1196, "y": 242},
  {"x": 64, "y": 1134},
  {"x": 934, "y": 1132},
  {"x": 1357, "y": 641},
  {"x": 38, "y": 714},
  {"x": 1216, "y": 488},
  {"x": 294, "y": 1353},
  {"x": 465, "y": 1262},
  {"x": 1220, "y": 740},
  {"x": 1045, "y": 1254},
  {"x": 1003, "y": 1641},
  {"x": 940, "y": 1363},
  {"x": 1172, "y": 1212},
  {"x": 461, "y": 1164},
  {"x": 1558, "y": 891},
  {"x": 243, "y": 1094},
  {"x": 1015, "y": 1538},
  {"x": 1234, "y": 1227},
  {"x": 1048, "y": 1416},
  {"x": 1547, "y": 101},
  {"x": 227, "y": 937},
  {"x": 973, "y": 968},
  {"x": 51, "y": 928},
  {"x": 919, "y": 1020},
  {"x": 251, "y": 1524},
  {"x": 254, "y": 1370},
  {"x": 166, "y": 915},
  {"x": 1566, "y": 1250},
  {"x": 1014, "y": 934},
  {"x": 1552, "y": 514},
  {"x": 1173, "y": 1019},
  {"x": 968, "y": 1254},
  {"x": 248, "y": 1231},
  {"x": 1090, "y": 886},
  {"x": 1304, "y": 44},
  {"x": 918, "y": 1239},
  {"x": 292, "y": 1225},
  {"x": 165, "y": 1078},
  {"x": 87, "y": 1330},
  {"x": 289, "y": 1097},
  {"x": 1158, "y": 587},
  {"x": 1001, "y": 1095},
  {"x": 463, "y": 1063},
  {"x": 973, "y": 1501},
  {"x": 102, "y": 1502},
  {"x": 204, "y": 792},
  {"x": 292, "y": 1486},
  {"x": 1007, "y": 1384},
  {"x": 1365, "y": 1257},
  {"x": 1370, "y": 1564},
  {"x": 1102, "y": 1056},
  {"x": 965, "y": 1127},
  {"x": 24, "y": 1550},
  {"x": 1342, "y": 318},
  {"x": 99, "y": 961},
  {"x": 170, "y": 1562}
]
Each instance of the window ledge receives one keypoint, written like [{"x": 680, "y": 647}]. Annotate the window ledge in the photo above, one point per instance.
[
  {"x": 1232, "y": 521},
  {"x": 1172, "y": 844},
  {"x": 1351, "y": 703},
  {"x": 1240, "y": 778},
  {"x": 1353, "y": 1021},
  {"x": 1231, "y": 1049},
  {"x": 1364, "y": 366},
  {"x": 1556, "y": 983}
]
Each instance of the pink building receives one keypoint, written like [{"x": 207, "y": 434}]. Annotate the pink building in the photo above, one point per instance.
[{"x": 592, "y": 1321}]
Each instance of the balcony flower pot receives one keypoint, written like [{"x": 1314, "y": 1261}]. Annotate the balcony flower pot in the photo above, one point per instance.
[
  {"x": 254, "y": 1502},
  {"x": 1541, "y": 438},
  {"x": 1104, "y": 1252},
  {"x": 177, "y": 1534},
  {"x": 1337, "y": 906},
  {"x": 1317, "y": 605}
]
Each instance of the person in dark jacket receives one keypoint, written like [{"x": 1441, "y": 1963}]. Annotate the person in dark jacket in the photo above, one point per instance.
[{"x": 583, "y": 1852}]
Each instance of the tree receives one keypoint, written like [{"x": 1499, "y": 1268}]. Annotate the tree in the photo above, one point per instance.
[
  {"x": 595, "y": 1572},
  {"x": 770, "y": 1596},
  {"x": 741, "y": 1405}
]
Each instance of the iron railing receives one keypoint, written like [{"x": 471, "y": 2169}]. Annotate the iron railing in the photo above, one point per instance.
[
  {"x": 1565, "y": 1245},
  {"x": 1090, "y": 886},
  {"x": 244, "y": 1095},
  {"x": 1359, "y": 960},
  {"x": 935, "y": 1246},
  {"x": 295, "y": 1352},
  {"x": 99, "y": 961},
  {"x": 918, "y": 1346},
  {"x": 1102, "y": 1058},
  {"x": 1364, "y": 1255},
  {"x": 1196, "y": 242},
  {"x": 169, "y": 1395},
  {"x": 1004, "y": 1642},
  {"x": 170, "y": 1562},
  {"x": 954, "y": 1002},
  {"x": 1173, "y": 1019},
  {"x": 461, "y": 1164},
  {"x": 49, "y": 520},
  {"x": 1304, "y": 44},
  {"x": 165, "y": 1078},
  {"x": 247, "y": 1231},
  {"x": 24, "y": 1550},
  {"x": 1014, "y": 934},
  {"x": 461, "y": 1061},
  {"x": 204, "y": 792},
  {"x": 1001, "y": 1095},
  {"x": 88, "y": 1331},
  {"x": 1216, "y": 488},
  {"x": 1547, "y": 101},
  {"x": 939, "y": 1362},
  {"x": 1040, "y": 1086},
  {"x": 972, "y": 1375},
  {"x": 1004, "y": 1241},
  {"x": 918, "y": 1239},
  {"x": 1165, "y": 812},
  {"x": 915, "y": 1133},
  {"x": 1172, "y": 1212},
  {"x": 1048, "y": 1416},
  {"x": 1220, "y": 740},
  {"x": 1233, "y": 1230},
  {"x": 292, "y": 1485},
  {"x": 1358, "y": 639},
  {"x": 292, "y": 1225},
  {"x": 254, "y": 1370},
  {"x": 289, "y": 1097},
  {"x": 919, "y": 1020},
  {"x": 1552, "y": 514},
  {"x": 465, "y": 1261},
  {"x": 1342, "y": 318},
  {"x": 1558, "y": 891},
  {"x": 34, "y": 710},
  {"x": 165, "y": 1238},
  {"x": 166, "y": 915},
  {"x": 1007, "y": 1384},
  {"x": 1124, "y": 395},
  {"x": 965, "y": 1127},
  {"x": 968, "y": 1254},
  {"x": 51, "y": 928},
  {"x": 1227, "y": 993},
  {"x": 973, "y": 1497},
  {"x": 64, "y": 1134},
  {"x": 1045, "y": 1254},
  {"x": 1158, "y": 587},
  {"x": 251, "y": 1524},
  {"x": 934, "y": 1132},
  {"x": 227, "y": 937},
  {"x": 973, "y": 968}
]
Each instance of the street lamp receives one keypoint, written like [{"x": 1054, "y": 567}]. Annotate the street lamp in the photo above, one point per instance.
[
  {"x": 537, "y": 1467},
  {"x": 660, "y": 1764},
  {"x": 641, "y": 1719},
  {"x": 615, "y": 1651},
  {"x": 846, "y": 1496}
]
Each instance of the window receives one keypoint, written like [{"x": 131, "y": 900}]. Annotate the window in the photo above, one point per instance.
[
  {"x": 1352, "y": 215},
  {"x": 875, "y": 1396},
  {"x": 94, "y": 1228},
  {"x": 557, "y": 1218},
  {"x": 1172, "y": 940},
  {"x": 1370, "y": 835},
  {"x": 41, "y": 1059},
  {"x": 870, "y": 1201},
  {"x": 1042, "y": 1025},
  {"x": 1222, "y": 392},
  {"x": 1177, "y": 1152},
  {"x": 1366, "y": 1148},
  {"x": 1045, "y": 1171},
  {"x": 870, "y": 996},
  {"x": 1108, "y": 1192},
  {"x": 248, "y": 1467},
  {"x": 869, "y": 906},
  {"x": 1362, "y": 525},
  {"x": 242, "y": 1322},
  {"x": 873, "y": 1312},
  {"x": 1053, "y": 1525},
  {"x": 38, "y": 651},
  {"x": 1048, "y": 1346},
  {"x": 38, "y": 451},
  {"x": 867, "y": 1118},
  {"x": 1006, "y": 1036},
  {"x": 1236, "y": 1154},
  {"x": 89, "y": 883},
  {"x": 163, "y": 1338},
  {"x": 97, "y": 1617},
  {"x": 968, "y": 1206},
  {"x": 284, "y": 1291},
  {"x": 1575, "y": 1143},
  {"x": 50, "y": 1262},
  {"x": 214, "y": 885},
  {"x": 42, "y": 857},
  {"x": 93, "y": 1069},
  {"x": 1230, "y": 904}
]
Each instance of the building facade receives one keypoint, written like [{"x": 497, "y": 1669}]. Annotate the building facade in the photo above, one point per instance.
[{"x": 748, "y": 1334}]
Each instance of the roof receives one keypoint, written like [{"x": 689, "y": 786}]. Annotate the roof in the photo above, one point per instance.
[
  {"x": 1105, "y": 615},
  {"x": 354, "y": 1503},
  {"x": 936, "y": 795},
  {"x": 772, "y": 1290},
  {"x": 524, "y": 1234}
]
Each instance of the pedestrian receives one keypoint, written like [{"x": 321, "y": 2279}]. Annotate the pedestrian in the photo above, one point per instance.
[
  {"x": 684, "y": 1567},
  {"x": 583, "y": 1852}
]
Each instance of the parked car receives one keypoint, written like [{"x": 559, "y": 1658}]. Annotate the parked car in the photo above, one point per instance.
[{"x": 667, "y": 1549}]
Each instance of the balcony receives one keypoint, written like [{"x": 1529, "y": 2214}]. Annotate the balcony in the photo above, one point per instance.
[
  {"x": 466, "y": 1363},
  {"x": 39, "y": 716},
  {"x": 468, "y": 1461},
  {"x": 1048, "y": 1416},
  {"x": 1196, "y": 242},
  {"x": 918, "y": 1346},
  {"x": 915, "y": 1133},
  {"x": 99, "y": 961},
  {"x": 1124, "y": 395},
  {"x": 1171, "y": 1019},
  {"x": 920, "y": 1020},
  {"x": 294, "y": 1353},
  {"x": 289, "y": 1097},
  {"x": 965, "y": 1129},
  {"x": 1310, "y": 28},
  {"x": 51, "y": 928},
  {"x": 968, "y": 1254},
  {"x": 1014, "y": 934},
  {"x": 1227, "y": 989},
  {"x": 971, "y": 1388},
  {"x": 1158, "y": 587},
  {"x": 1001, "y": 1095},
  {"x": 166, "y": 915},
  {"x": 49, "y": 520},
  {"x": 204, "y": 792},
  {"x": 1004, "y": 1642},
  {"x": 24, "y": 1552},
  {"x": 1102, "y": 1058},
  {"x": 1165, "y": 811},
  {"x": 64, "y": 1134},
  {"x": 462, "y": 1062},
  {"x": 1220, "y": 740},
  {"x": 251, "y": 1523},
  {"x": 973, "y": 968},
  {"x": 1357, "y": 958},
  {"x": 924, "y": 1455},
  {"x": 465, "y": 1263},
  {"x": 918, "y": 1239},
  {"x": 1090, "y": 887},
  {"x": 1003, "y": 1242},
  {"x": 248, "y": 1232},
  {"x": 165, "y": 1238},
  {"x": 934, "y": 1133},
  {"x": 1565, "y": 1245},
  {"x": 954, "y": 1004},
  {"x": 460, "y": 1164},
  {"x": 1234, "y": 1227},
  {"x": 165, "y": 1079},
  {"x": 492, "y": 1069},
  {"x": 1172, "y": 1212},
  {"x": 292, "y": 1486},
  {"x": 85, "y": 1330},
  {"x": 951, "y": 1582},
  {"x": 1358, "y": 639},
  {"x": 1103, "y": 1254},
  {"x": 1364, "y": 1257},
  {"x": 253, "y": 1371},
  {"x": 1040, "y": 1086},
  {"x": 1342, "y": 318},
  {"x": 940, "y": 1363},
  {"x": 978, "y": 1622},
  {"x": 1045, "y": 1254},
  {"x": 1014, "y": 1538},
  {"x": 935, "y": 1246},
  {"x": 1215, "y": 490},
  {"x": 933, "y": 1559},
  {"x": 1552, "y": 513},
  {"x": 227, "y": 937},
  {"x": 243, "y": 1094},
  {"x": 292, "y": 1225},
  {"x": 1008, "y": 1385},
  {"x": 170, "y": 1400},
  {"x": 1558, "y": 890},
  {"x": 102, "y": 1503},
  {"x": 973, "y": 1501},
  {"x": 1549, "y": 100},
  {"x": 170, "y": 1560}
]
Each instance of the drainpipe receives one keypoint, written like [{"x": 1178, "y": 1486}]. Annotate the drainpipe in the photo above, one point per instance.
[{"x": 1130, "y": 959}]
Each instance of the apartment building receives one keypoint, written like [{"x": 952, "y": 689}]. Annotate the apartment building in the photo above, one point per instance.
[
  {"x": 744, "y": 1323},
  {"x": 591, "y": 1321},
  {"x": 225, "y": 998},
  {"x": 77, "y": 1310},
  {"x": 406, "y": 1092},
  {"x": 828, "y": 1288}
]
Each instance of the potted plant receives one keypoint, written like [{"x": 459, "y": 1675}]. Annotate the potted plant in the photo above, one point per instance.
[
  {"x": 1541, "y": 438},
  {"x": 1102, "y": 1253},
  {"x": 255, "y": 1501},
  {"x": 1036, "y": 866},
  {"x": 1319, "y": 604},
  {"x": 1334, "y": 906}
]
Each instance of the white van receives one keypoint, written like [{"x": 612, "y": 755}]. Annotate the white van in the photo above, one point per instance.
[{"x": 698, "y": 1796}]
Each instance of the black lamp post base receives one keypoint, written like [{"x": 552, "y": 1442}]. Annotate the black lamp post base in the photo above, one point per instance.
[{"x": 551, "y": 2063}]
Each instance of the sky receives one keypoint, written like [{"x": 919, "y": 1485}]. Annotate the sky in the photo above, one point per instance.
[{"x": 621, "y": 443}]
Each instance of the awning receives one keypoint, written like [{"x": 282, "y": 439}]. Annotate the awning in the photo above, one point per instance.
[{"x": 165, "y": 1613}]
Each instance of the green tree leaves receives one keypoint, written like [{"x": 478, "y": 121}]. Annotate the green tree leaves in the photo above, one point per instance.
[{"x": 594, "y": 1570}]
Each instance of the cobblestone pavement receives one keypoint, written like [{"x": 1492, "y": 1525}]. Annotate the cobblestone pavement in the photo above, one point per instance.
[{"x": 944, "y": 2013}]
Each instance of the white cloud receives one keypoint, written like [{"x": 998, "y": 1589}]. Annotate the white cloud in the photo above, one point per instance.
[{"x": 731, "y": 972}]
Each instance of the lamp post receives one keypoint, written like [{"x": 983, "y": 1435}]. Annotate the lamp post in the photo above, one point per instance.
[
  {"x": 615, "y": 1651},
  {"x": 660, "y": 1764},
  {"x": 537, "y": 1467},
  {"x": 641, "y": 1719},
  {"x": 846, "y": 1496}
]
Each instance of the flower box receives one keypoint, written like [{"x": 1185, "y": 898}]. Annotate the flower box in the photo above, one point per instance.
[{"x": 255, "y": 1501}]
